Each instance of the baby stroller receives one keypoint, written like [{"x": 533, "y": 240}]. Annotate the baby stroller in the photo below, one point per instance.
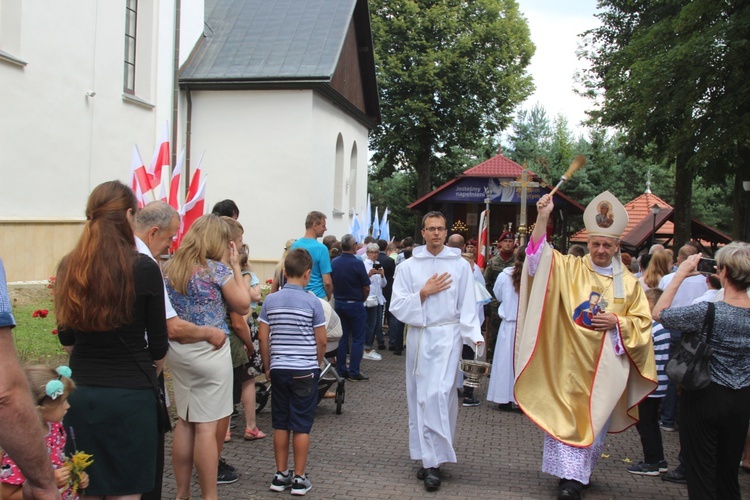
[{"x": 328, "y": 374}]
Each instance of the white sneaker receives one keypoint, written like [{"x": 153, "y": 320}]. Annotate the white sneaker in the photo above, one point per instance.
[
  {"x": 372, "y": 355},
  {"x": 301, "y": 485}
]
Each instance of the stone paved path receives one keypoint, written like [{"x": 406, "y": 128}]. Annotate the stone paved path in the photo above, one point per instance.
[{"x": 363, "y": 453}]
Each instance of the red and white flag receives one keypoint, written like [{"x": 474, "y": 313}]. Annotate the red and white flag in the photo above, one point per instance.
[
  {"x": 193, "y": 208},
  {"x": 139, "y": 180},
  {"x": 484, "y": 239},
  {"x": 194, "y": 205},
  {"x": 160, "y": 158},
  {"x": 174, "y": 183}
]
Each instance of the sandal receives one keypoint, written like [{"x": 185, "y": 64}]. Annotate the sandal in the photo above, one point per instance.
[
  {"x": 253, "y": 434},
  {"x": 228, "y": 437}
]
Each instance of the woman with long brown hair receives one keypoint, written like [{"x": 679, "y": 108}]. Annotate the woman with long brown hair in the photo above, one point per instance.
[
  {"x": 506, "y": 289},
  {"x": 106, "y": 296},
  {"x": 203, "y": 278},
  {"x": 659, "y": 266}
]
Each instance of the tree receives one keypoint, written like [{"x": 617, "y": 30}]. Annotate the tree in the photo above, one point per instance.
[
  {"x": 673, "y": 76},
  {"x": 530, "y": 139},
  {"x": 450, "y": 74}
]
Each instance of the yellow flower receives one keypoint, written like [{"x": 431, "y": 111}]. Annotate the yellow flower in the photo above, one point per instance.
[{"x": 79, "y": 461}]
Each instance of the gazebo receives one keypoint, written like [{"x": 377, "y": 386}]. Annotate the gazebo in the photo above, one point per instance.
[
  {"x": 462, "y": 199},
  {"x": 651, "y": 222}
]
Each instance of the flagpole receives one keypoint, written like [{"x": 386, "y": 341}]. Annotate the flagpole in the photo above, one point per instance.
[{"x": 486, "y": 249}]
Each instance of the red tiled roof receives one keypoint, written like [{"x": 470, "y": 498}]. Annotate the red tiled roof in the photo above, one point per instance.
[
  {"x": 497, "y": 166},
  {"x": 638, "y": 210}
]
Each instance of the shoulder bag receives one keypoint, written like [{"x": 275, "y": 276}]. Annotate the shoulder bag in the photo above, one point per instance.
[{"x": 689, "y": 367}]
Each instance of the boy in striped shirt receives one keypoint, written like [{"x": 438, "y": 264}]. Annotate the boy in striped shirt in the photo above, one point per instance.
[
  {"x": 292, "y": 338},
  {"x": 648, "y": 427}
]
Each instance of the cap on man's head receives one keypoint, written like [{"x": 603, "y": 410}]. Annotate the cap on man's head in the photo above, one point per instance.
[{"x": 507, "y": 235}]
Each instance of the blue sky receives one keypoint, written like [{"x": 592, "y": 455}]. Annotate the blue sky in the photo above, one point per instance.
[{"x": 554, "y": 26}]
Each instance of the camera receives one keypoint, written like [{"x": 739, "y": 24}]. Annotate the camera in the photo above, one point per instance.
[
  {"x": 376, "y": 265},
  {"x": 706, "y": 266}
]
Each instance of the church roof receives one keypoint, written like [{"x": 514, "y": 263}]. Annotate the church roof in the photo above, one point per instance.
[
  {"x": 261, "y": 39},
  {"x": 497, "y": 166},
  {"x": 288, "y": 44}
]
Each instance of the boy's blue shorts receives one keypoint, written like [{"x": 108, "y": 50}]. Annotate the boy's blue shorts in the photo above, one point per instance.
[{"x": 294, "y": 398}]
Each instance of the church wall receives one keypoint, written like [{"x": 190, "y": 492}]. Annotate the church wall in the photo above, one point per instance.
[
  {"x": 274, "y": 153},
  {"x": 57, "y": 143}
]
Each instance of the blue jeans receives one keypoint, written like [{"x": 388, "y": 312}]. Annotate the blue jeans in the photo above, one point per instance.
[
  {"x": 352, "y": 316},
  {"x": 395, "y": 333},
  {"x": 374, "y": 326}
]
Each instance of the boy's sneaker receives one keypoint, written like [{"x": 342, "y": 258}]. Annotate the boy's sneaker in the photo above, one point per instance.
[
  {"x": 301, "y": 485},
  {"x": 644, "y": 469},
  {"x": 224, "y": 465},
  {"x": 468, "y": 401},
  {"x": 225, "y": 474},
  {"x": 663, "y": 467},
  {"x": 281, "y": 482}
]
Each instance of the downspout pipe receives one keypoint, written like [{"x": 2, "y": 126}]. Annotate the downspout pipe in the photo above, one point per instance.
[{"x": 175, "y": 81}]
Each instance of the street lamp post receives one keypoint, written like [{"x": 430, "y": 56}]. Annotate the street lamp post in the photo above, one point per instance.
[
  {"x": 746, "y": 225},
  {"x": 654, "y": 210}
]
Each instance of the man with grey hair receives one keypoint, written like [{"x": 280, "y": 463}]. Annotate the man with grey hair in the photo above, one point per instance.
[
  {"x": 656, "y": 247},
  {"x": 156, "y": 225},
  {"x": 585, "y": 359},
  {"x": 351, "y": 286}
]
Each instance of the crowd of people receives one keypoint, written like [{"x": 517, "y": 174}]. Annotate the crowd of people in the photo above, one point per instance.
[{"x": 608, "y": 321}]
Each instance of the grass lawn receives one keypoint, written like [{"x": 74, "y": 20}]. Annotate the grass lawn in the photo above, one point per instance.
[{"x": 35, "y": 342}]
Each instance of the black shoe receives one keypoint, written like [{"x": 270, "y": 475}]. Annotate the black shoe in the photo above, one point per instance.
[
  {"x": 432, "y": 479},
  {"x": 397, "y": 352},
  {"x": 421, "y": 473},
  {"x": 509, "y": 407},
  {"x": 224, "y": 465},
  {"x": 570, "y": 489},
  {"x": 676, "y": 475},
  {"x": 381, "y": 347},
  {"x": 226, "y": 473},
  {"x": 358, "y": 378},
  {"x": 469, "y": 401},
  {"x": 235, "y": 412},
  {"x": 343, "y": 374},
  {"x": 391, "y": 347}
]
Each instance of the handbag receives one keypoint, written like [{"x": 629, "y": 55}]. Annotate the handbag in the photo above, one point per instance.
[
  {"x": 372, "y": 301},
  {"x": 690, "y": 365},
  {"x": 163, "y": 421}
]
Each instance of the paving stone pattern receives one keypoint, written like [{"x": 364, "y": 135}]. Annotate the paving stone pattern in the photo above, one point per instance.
[{"x": 363, "y": 453}]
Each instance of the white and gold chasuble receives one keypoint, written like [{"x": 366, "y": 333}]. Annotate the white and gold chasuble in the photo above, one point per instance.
[{"x": 569, "y": 379}]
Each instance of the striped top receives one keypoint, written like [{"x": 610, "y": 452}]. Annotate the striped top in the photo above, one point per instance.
[
  {"x": 292, "y": 314},
  {"x": 6, "y": 315},
  {"x": 661, "y": 354}
]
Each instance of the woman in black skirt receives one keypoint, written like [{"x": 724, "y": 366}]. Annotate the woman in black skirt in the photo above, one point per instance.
[{"x": 106, "y": 296}]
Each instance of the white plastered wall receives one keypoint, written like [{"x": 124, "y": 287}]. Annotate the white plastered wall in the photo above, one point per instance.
[
  {"x": 273, "y": 153},
  {"x": 57, "y": 143}
]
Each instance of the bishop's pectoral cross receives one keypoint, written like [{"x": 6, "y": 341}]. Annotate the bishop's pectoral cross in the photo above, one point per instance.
[{"x": 522, "y": 185}]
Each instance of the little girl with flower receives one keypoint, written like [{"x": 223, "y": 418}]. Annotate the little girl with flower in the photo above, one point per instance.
[{"x": 50, "y": 389}]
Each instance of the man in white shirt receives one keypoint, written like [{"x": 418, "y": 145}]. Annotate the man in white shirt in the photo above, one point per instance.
[
  {"x": 155, "y": 227},
  {"x": 433, "y": 293}
]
